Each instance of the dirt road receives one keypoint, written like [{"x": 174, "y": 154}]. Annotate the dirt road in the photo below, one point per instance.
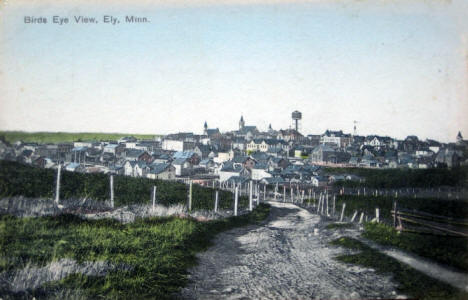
[{"x": 282, "y": 259}]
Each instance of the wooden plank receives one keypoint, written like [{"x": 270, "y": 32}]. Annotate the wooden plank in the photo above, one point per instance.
[
  {"x": 428, "y": 216},
  {"x": 434, "y": 226}
]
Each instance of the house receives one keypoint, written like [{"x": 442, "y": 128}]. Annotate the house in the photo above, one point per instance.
[
  {"x": 264, "y": 145},
  {"x": 323, "y": 153},
  {"x": 369, "y": 161},
  {"x": 138, "y": 155},
  {"x": 289, "y": 135},
  {"x": 302, "y": 151},
  {"x": 337, "y": 138},
  {"x": 260, "y": 171},
  {"x": 244, "y": 161},
  {"x": 207, "y": 164},
  {"x": 239, "y": 143},
  {"x": 319, "y": 181},
  {"x": 177, "y": 145},
  {"x": 164, "y": 171},
  {"x": 93, "y": 155},
  {"x": 162, "y": 158},
  {"x": 223, "y": 157},
  {"x": 379, "y": 142},
  {"x": 183, "y": 167},
  {"x": 434, "y": 146},
  {"x": 191, "y": 156},
  {"x": 448, "y": 158},
  {"x": 115, "y": 149},
  {"x": 313, "y": 139},
  {"x": 202, "y": 151},
  {"x": 79, "y": 154},
  {"x": 228, "y": 170},
  {"x": 107, "y": 158},
  {"x": 136, "y": 168}
]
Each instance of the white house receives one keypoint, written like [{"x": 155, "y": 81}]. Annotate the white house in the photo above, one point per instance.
[
  {"x": 176, "y": 145},
  {"x": 319, "y": 181},
  {"x": 182, "y": 166}
]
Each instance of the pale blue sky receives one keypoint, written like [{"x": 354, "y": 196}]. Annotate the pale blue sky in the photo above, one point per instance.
[{"x": 398, "y": 68}]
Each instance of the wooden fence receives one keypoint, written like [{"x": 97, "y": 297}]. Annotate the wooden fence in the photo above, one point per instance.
[{"x": 426, "y": 223}]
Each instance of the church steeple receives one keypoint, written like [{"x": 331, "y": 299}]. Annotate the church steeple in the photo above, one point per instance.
[
  {"x": 241, "y": 123},
  {"x": 205, "y": 128}
]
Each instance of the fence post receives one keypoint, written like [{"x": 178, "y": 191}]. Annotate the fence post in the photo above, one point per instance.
[
  {"x": 394, "y": 213},
  {"x": 361, "y": 218},
  {"x": 250, "y": 196},
  {"x": 327, "y": 205},
  {"x": 334, "y": 200},
  {"x": 216, "y": 201},
  {"x": 236, "y": 195},
  {"x": 354, "y": 216},
  {"x": 112, "y": 190},
  {"x": 57, "y": 189},
  {"x": 342, "y": 212},
  {"x": 190, "y": 196},
  {"x": 377, "y": 215},
  {"x": 154, "y": 197},
  {"x": 319, "y": 198},
  {"x": 284, "y": 193}
]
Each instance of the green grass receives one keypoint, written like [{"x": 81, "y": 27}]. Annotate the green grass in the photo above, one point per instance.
[
  {"x": 452, "y": 251},
  {"x": 400, "y": 178},
  {"x": 410, "y": 282},
  {"x": 158, "y": 250},
  {"x": 62, "y": 137},
  {"x": 339, "y": 225}
]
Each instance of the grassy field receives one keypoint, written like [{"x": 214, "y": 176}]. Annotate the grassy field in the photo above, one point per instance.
[
  {"x": 411, "y": 282},
  {"x": 158, "y": 251},
  {"x": 61, "y": 137}
]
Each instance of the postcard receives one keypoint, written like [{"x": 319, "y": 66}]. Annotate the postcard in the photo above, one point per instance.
[{"x": 233, "y": 149}]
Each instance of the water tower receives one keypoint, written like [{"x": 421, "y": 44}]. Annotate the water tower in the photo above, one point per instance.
[{"x": 296, "y": 116}]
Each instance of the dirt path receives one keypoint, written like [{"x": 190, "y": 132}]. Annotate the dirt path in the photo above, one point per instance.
[{"x": 282, "y": 259}]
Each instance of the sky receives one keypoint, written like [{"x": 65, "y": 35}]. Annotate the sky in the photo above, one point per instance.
[{"x": 398, "y": 68}]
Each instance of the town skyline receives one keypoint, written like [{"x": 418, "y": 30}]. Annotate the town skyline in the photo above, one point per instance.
[
  {"x": 199, "y": 131},
  {"x": 398, "y": 70}
]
